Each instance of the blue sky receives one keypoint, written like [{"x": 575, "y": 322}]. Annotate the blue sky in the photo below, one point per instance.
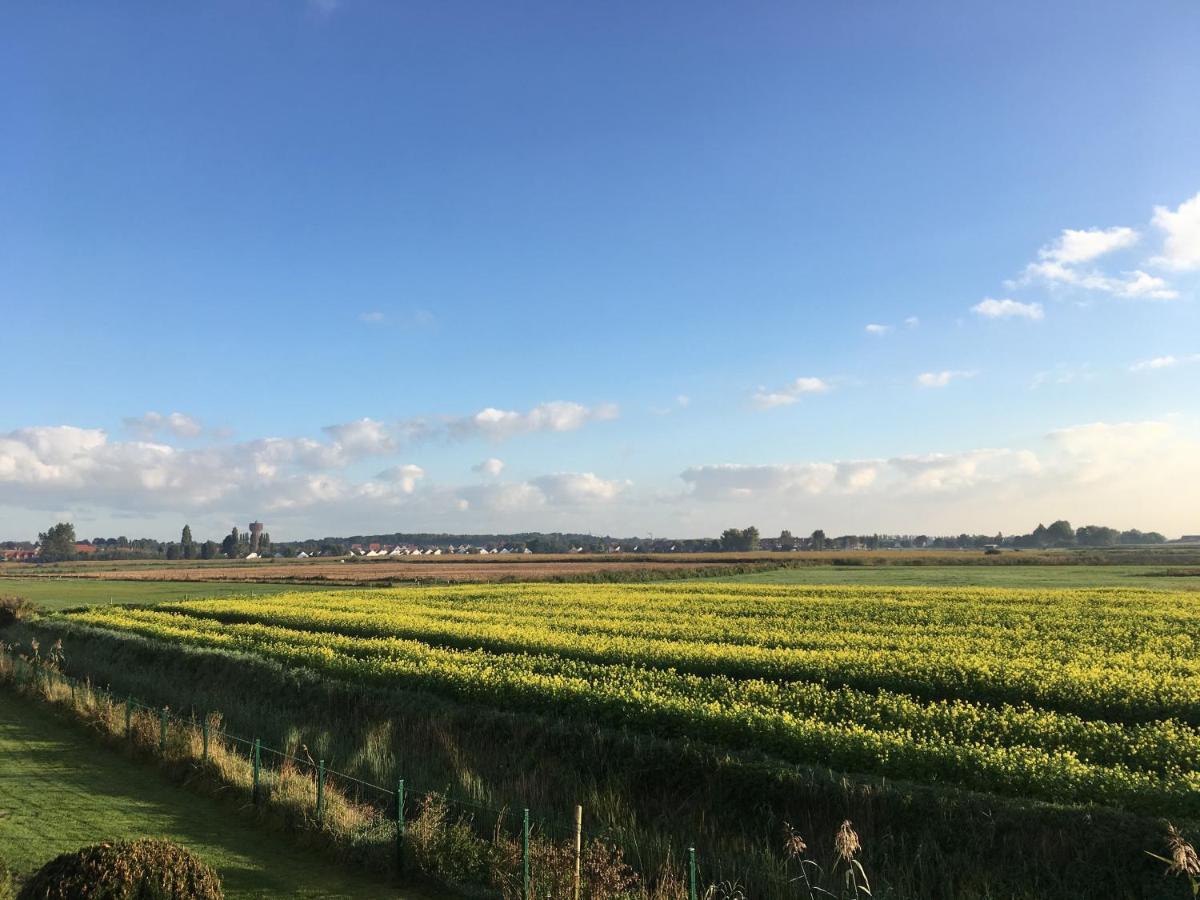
[{"x": 649, "y": 237}]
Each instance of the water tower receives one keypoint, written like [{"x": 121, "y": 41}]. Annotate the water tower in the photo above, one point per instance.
[{"x": 256, "y": 530}]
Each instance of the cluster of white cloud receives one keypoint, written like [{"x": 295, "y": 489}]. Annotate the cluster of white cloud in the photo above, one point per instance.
[
  {"x": 52, "y": 466},
  {"x": 152, "y": 424},
  {"x": 1181, "y": 241},
  {"x": 63, "y": 466},
  {"x": 1065, "y": 262},
  {"x": 1164, "y": 362},
  {"x": 880, "y": 330},
  {"x": 942, "y": 379},
  {"x": 792, "y": 393},
  {"x": 492, "y": 467},
  {"x": 991, "y": 308},
  {"x": 500, "y": 424},
  {"x": 374, "y": 437},
  {"x": 1131, "y": 472},
  {"x": 416, "y": 318}
]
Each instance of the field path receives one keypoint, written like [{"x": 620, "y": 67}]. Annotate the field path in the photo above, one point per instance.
[{"x": 60, "y": 790}]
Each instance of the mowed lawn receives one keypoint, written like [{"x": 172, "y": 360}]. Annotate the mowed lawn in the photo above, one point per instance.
[
  {"x": 1035, "y": 576},
  {"x": 66, "y": 593},
  {"x": 60, "y": 790}
]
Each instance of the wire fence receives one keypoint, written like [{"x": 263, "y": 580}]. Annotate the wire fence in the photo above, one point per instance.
[{"x": 403, "y": 829}]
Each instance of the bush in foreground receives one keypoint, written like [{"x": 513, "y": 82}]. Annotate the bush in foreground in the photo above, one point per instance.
[
  {"x": 126, "y": 870},
  {"x": 14, "y": 609}
]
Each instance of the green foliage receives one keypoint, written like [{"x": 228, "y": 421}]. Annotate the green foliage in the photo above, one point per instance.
[
  {"x": 127, "y": 870},
  {"x": 58, "y": 543},
  {"x": 743, "y": 539}
]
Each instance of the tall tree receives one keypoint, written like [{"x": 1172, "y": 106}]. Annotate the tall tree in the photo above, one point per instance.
[
  {"x": 186, "y": 542},
  {"x": 1060, "y": 532},
  {"x": 739, "y": 538},
  {"x": 58, "y": 543},
  {"x": 818, "y": 539}
]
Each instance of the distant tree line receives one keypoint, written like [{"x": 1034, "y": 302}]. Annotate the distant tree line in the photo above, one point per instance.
[{"x": 59, "y": 543}]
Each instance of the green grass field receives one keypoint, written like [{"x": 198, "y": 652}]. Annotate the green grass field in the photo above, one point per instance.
[
  {"x": 60, "y": 790},
  {"x": 65, "y": 593},
  {"x": 977, "y": 576}
]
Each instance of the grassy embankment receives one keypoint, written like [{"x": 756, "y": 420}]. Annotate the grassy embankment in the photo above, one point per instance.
[{"x": 60, "y": 789}]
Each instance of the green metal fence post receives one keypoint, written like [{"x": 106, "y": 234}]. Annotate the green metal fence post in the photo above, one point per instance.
[
  {"x": 693, "y": 894},
  {"x": 525, "y": 857},
  {"x": 128, "y": 716},
  {"x": 400, "y": 826},
  {"x": 257, "y": 767},
  {"x": 162, "y": 730},
  {"x": 204, "y": 737},
  {"x": 321, "y": 791}
]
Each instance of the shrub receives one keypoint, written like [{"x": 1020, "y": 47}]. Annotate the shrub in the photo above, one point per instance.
[
  {"x": 127, "y": 870},
  {"x": 13, "y": 610}
]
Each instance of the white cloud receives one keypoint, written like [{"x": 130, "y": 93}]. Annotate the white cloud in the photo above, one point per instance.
[
  {"x": 153, "y": 423},
  {"x": 1164, "y": 362},
  {"x": 370, "y": 437},
  {"x": 56, "y": 467},
  {"x": 1131, "y": 474},
  {"x": 1138, "y": 284},
  {"x": 935, "y": 472},
  {"x": 1062, "y": 263},
  {"x": 363, "y": 437},
  {"x": 404, "y": 477},
  {"x": 1078, "y": 246},
  {"x": 578, "y": 488},
  {"x": 878, "y": 330},
  {"x": 682, "y": 401},
  {"x": 499, "y": 424},
  {"x": 942, "y": 379},
  {"x": 991, "y": 308},
  {"x": 912, "y": 322},
  {"x": 1181, "y": 228},
  {"x": 491, "y": 467},
  {"x": 792, "y": 393},
  {"x": 1134, "y": 285},
  {"x": 410, "y": 319},
  {"x": 560, "y": 490}
]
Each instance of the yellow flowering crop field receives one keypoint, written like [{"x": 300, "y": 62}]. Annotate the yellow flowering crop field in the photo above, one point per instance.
[{"x": 1069, "y": 696}]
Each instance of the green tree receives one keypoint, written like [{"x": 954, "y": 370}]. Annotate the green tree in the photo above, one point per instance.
[
  {"x": 209, "y": 550},
  {"x": 739, "y": 539},
  {"x": 187, "y": 544},
  {"x": 1060, "y": 532},
  {"x": 58, "y": 543},
  {"x": 818, "y": 539}
]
